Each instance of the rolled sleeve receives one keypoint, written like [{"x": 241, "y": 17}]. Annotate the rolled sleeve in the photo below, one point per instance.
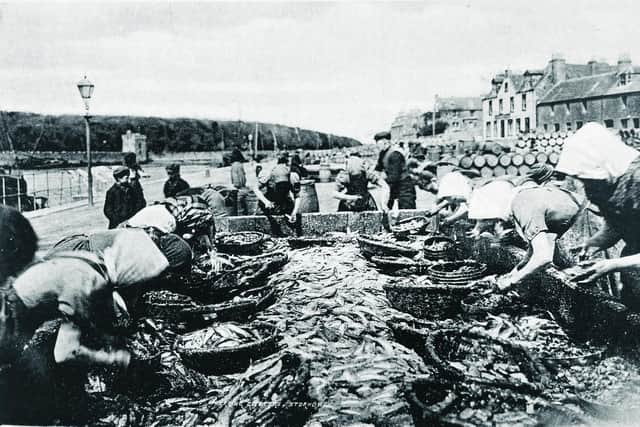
[
  {"x": 531, "y": 218},
  {"x": 342, "y": 180}
]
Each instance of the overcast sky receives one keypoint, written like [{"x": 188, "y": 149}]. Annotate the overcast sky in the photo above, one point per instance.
[{"x": 345, "y": 67}]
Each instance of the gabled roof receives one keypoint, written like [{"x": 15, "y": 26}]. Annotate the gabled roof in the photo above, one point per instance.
[
  {"x": 589, "y": 87},
  {"x": 460, "y": 103}
]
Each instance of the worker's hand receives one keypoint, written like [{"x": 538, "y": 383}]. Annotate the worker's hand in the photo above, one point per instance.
[
  {"x": 217, "y": 262},
  {"x": 120, "y": 358},
  {"x": 269, "y": 204},
  {"x": 291, "y": 218},
  {"x": 505, "y": 282},
  {"x": 595, "y": 270}
]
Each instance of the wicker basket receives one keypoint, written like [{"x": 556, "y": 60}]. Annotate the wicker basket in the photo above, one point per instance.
[
  {"x": 412, "y": 333},
  {"x": 212, "y": 290},
  {"x": 450, "y": 273},
  {"x": 447, "y": 253},
  {"x": 391, "y": 265},
  {"x": 493, "y": 303},
  {"x": 430, "y": 400},
  {"x": 371, "y": 246},
  {"x": 219, "y": 361},
  {"x": 446, "y": 345},
  {"x": 239, "y": 311},
  {"x": 407, "y": 226},
  {"x": 307, "y": 241},
  {"x": 431, "y": 301},
  {"x": 256, "y": 271},
  {"x": 166, "y": 305},
  {"x": 240, "y": 243}
]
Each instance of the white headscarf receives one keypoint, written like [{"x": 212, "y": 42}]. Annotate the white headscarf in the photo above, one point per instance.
[
  {"x": 492, "y": 200},
  {"x": 594, "y": 152},
  {"x": 454, "y": 184},
  {"x": 133, "y": 258},
  {"x": 154, "y": 216}
]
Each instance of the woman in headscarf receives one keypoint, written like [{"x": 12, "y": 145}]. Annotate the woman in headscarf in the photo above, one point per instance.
[
  {"x": 352, "y": 186},
  {"x": 18, "y": 243},
  {"x": 541, "y": 214},
  {"x": 610, "y": 173},
  {"x": 454, "y": 190}
]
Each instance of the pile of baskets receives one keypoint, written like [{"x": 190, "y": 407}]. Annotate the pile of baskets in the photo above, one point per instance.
[
  {"x": 440, "y": 248},
  {"x": 240, "y": 243},
  {"x": 456, "y": 272},
  {"x": 414, "y": 225}
]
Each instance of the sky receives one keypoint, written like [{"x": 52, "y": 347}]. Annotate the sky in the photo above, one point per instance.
[{"x": 343, "y": 67}]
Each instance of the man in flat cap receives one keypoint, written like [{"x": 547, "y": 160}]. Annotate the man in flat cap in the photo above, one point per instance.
[
  {"x": 175, "y": 184},
  {"x": 120, "y": 203}
]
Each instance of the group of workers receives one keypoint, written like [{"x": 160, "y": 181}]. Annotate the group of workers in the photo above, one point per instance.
[{"x": 88, "y": 281}]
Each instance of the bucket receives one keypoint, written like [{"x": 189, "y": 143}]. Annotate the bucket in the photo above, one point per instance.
[
  {"x": 324, "y": 173},
  {"x": 308, "y": 197}
]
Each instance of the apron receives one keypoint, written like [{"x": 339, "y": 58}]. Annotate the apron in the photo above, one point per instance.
[{"x": 358, "y": 185}]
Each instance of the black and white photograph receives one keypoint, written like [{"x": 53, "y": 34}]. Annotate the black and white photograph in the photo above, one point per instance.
[{"x": 320, "y": 213}]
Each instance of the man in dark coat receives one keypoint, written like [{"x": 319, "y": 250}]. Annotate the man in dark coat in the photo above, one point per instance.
[
  {"x": 134, "y": 180},
  {"x": 175, "y": 184},
  {"x": 120, "y": 202}
]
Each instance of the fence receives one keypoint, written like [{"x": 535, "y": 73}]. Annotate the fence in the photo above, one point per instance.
[{"x": 31, "y": 190}]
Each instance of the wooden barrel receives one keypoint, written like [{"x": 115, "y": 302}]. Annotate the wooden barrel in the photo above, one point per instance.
[
  {"x": 517, "y": 159},
  {"x": 308, "y": 197},
  {"x": 523, "y": 170},
  {"x": 324, "y": 174},
  {"x": 486, "y": 172},
  {"x": 479, "y": 161},
  {"x": 491, "y": 160},
  {"x": 433, "y": 153},
  {"x": 499, "y": 171},
  {"x": 554, "y": 135},
  {"x": 542, "y": 158},
  {"x": 553, "y": 158},
  {"x": 505, "y": 160},
  {"x": 529, "y": 159},
  {"x": 466, "y": 162},
  {"x": 512, "y": 170},
  {"x": 496, "y": 149},
  {"x": 543, "y": 142}
]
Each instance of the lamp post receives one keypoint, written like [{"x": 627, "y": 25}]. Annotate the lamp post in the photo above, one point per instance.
[{"x": 86, "y": 90}]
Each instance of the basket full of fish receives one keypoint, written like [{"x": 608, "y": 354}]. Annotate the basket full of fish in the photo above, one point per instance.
[
  {"x": 407, "y": 226},
  {"x": 240, "y": 243},
  {"x": 456, "y": 272},
  {"x": 307, "y": 241},
  {"x": 376, "y": 246},
  {"x": 239, "y": 309},
  {"x": 256, "y": 270},
  {"x": 166, "y": 305},
  {"x": 427, "y": 300},
  {"x": 226, "y": 348},
  {"x": 391, "y": 265},
  {"x": 439, "y": 248}
]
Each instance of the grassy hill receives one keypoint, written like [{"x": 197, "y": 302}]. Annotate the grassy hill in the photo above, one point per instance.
[{"x": 37, "y": 132}]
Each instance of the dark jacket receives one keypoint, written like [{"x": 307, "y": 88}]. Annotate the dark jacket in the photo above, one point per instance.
[
  {"x": 174, "y": 186},
  {"x": 119, "y": 204}
]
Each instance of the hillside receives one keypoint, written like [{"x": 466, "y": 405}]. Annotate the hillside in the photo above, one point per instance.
[{"x": 36, "y": 132}]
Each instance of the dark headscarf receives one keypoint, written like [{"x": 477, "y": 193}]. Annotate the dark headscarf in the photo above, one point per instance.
[
  {"x": 296, "y": 166},
  {"x": 18, "y": 242},
  {"x": 236, "y": 156},
  {"x": 540, "y": 173}
]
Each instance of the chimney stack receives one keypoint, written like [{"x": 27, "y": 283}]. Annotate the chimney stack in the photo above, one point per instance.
[
  {"x": 558, "y": 68},
  {"x": 593, "y": 66}
]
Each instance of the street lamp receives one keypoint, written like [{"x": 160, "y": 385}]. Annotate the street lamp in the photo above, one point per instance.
[{"x": 86, "y": 90}]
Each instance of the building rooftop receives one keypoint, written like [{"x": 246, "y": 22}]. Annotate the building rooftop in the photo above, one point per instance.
[{"x": 590, "y": 87}]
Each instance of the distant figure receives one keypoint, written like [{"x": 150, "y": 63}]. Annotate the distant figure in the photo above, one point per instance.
[
  {"x": 297, "y": 167},
  {"x": 119, "y": 204},
  {"x": 175, "y": 184},
  {"x": 131, "y": 162},
  {"x": 239, "y": 180},
  {"x": 393, "y": 163}
]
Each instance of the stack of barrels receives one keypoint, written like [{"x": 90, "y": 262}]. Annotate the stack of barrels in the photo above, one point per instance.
[{"x": 544, "y": 142}]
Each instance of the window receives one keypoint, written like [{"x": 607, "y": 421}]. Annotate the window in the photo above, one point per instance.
[
  {"x": 568, "y": 126},
  {"x": 527, "y": 124},
  {"x": 518, "y": 129},
  {"x": 636, "y": 123},
  {"x": 500, "y": 109},
  {"x": 624, "y": 123},
  {"x": 491, "y": 108},
  {"x": 578, "y": 125},
  {"x": 608, "y": 123},
  {"x": 509, "y": 127},
  {"x": 495, "y": 129},
  {"x": 524, "y": 102},
  {"x": 546, "y": 127},
  {"x": 624, "y": 101},
  {"x": 512, "y": 105},
  {"x": 556, "y": 127},
  {"x": 506, "y": 86},
  {"x": 584, "y": 106},
  {"x": 472, "y": 113},
  {"x": 488, "y": 129}
]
